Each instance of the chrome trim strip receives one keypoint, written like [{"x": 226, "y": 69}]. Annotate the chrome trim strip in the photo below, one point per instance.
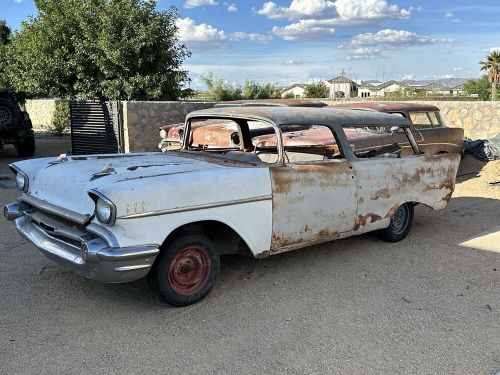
[
  {"x": 197, "y": 207},
  {"x": 56, "y": 210},
  {"x": 102, "y": 233},
  {"x": 132, "y": 268},
  {"x": 128, "y": 253}
]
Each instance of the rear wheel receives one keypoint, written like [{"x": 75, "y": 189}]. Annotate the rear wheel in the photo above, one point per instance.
[
  {"x": 26, "y": 146},
  {"x": 187, "y": 269},
  {"x": 401, "y": 222}
]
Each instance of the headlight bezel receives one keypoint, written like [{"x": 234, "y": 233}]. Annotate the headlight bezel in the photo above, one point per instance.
[
  {"x": 98, "y": 197},
  {"x": 25, "y": 181},
  {"x": 163, "y": 134},
  {"x": 23, "y": 175}
]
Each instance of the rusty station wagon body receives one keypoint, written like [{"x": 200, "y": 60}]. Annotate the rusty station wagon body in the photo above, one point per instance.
[
  {"x": 429, "y": 131},
  {"x": 170, "y": 216},
  {"x": 432, "y": 135}
]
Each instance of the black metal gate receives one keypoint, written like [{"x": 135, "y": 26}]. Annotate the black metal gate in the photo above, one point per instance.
[{"x": 96, "y": 127}]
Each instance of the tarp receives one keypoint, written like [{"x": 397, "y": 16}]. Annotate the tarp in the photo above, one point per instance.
[{"x": 483, "y": 149}]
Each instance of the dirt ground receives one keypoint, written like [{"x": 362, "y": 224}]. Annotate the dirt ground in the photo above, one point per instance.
[{"x": 427, "y": 305}]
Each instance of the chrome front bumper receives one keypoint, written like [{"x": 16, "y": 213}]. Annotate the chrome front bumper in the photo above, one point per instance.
[{"x": 94, "y": 259}]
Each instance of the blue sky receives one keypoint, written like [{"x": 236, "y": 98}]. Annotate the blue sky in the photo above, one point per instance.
[{"x": 290, "y": 41}]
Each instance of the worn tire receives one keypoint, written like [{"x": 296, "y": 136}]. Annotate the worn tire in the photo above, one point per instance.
[
  {"x": 186, "y": 270},
  {"x": 26, "y": 146},
  {"x": 400, "y": 224},
  {"x": 9, "y": 114}
]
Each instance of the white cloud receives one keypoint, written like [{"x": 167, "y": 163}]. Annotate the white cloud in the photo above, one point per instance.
[
  {"x": 199, "y": 3},
  {"x": 408, "y": 76},
  {"x": 199, "y": 37},
  {"x": 449, "y": 15},
  {"x": 304, "y": 29},
  {"x": 494, "y": 49},
  {"x": 319, "y": 18},
  {"x": 393, "y": 38},
  {"x": 254, "y": 37},
  {"x": 18, "y": 1},
  {"x": 300, "y": 9},
  {"x": 365, "y": 53},
  {"x": 231, "y": 7},
  {"x": 458, "y": 69},
  {"x": 339, "y": 11},
  {"x": 295, "y": 62}
]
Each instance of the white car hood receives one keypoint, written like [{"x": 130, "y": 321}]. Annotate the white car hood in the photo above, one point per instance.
[{"x": 66, "y": 183}]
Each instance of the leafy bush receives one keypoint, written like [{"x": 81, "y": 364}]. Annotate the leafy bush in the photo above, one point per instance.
[
  {"x": 254, "y": 90},
  {"x": 481, "y": 87},
  {"x": 220, "y": 90},
  {"x": 60, "y": 119},
  {"x": 289, "y": 96},
  {"x": 317, "y": 90}
]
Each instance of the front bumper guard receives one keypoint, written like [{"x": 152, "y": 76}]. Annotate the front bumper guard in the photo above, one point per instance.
[{"x": 94, "y": 260}]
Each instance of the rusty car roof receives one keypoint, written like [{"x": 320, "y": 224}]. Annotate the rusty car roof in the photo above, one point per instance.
[
  {"x": 271, "y": 102},
  {"x": 304, "y": 116},
  {"x": 389, "y": 107}
]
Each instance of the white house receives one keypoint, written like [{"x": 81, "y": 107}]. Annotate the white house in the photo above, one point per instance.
[
  {"x": 342, "y": 87},
  {"x": 296, "y": 90}
]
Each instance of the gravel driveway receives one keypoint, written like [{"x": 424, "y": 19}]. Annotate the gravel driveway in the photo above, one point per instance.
[{"x": 353, "y": 306}]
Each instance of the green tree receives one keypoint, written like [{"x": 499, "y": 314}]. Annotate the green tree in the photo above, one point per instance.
[
  {"x": 4, "y": 33},
  {"x": 254, "y": 90},
  {"x": 492, "y": 66},
  {"x": 220, "y": 90},
  {"x": 317, "y": 90},
  {"x": 98, "y": 49},
  {"x": 480, "y": 87},
  {"x": 4, "y": 40}
]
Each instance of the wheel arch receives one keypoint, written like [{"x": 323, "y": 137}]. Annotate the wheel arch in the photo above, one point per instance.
[{"x": 227, "y": 239}]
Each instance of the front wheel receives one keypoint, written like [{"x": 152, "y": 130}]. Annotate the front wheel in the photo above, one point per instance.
[
  {"x": 187, "y": 269},
  {"x": 400, "y": 225}
]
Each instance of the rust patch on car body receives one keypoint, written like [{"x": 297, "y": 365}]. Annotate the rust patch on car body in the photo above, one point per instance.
[
  {"x": 362, "y": 220},
  {"x": 384, "y": 193}
]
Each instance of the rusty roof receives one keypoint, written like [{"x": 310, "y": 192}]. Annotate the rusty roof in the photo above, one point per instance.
[
  {"x": 389, "y": 107},
  {"x": 304, "y": 116},
  {"x": 271, "y": 103}
]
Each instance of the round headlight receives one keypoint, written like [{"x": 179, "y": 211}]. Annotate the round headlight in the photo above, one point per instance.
[
  {"x": 163, "y": 133},
  {"x": 104, "y": 211},
  {"x": 22, "y": 181}
]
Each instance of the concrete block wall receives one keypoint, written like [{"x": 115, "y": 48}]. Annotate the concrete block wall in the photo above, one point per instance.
[
  {"x": 141, "y": 121},
  {"x": 41, "y": 112}
]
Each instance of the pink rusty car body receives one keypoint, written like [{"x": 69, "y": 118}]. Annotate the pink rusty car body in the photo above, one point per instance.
[{"x": 428, "y": 129}]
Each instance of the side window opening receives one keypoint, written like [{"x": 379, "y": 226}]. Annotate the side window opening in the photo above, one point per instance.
[
  {"x": 379, "y": 141},
  {"x": 303, "y": 144},
  {"x": 421, "y": 119}
]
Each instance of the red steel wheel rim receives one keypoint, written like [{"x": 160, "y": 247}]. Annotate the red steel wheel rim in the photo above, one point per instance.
[{"x": 189, "y": 270}]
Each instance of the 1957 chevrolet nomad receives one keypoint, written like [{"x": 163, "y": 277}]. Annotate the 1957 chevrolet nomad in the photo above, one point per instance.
[{"x": 170, "y": 216}]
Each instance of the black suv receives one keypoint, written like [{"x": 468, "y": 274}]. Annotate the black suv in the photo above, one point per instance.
[{"x": 15, "y": 124}]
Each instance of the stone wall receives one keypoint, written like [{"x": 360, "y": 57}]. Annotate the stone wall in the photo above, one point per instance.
[
  {"x": 41, "y": 112},
  {"x": 478, "y": 119},
  {"x": 141, "y": 121}
]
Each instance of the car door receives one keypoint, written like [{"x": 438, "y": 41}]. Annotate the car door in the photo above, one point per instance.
[{"x": 313, "y": 201}]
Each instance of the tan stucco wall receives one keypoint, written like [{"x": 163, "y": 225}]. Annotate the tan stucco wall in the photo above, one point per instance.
[
  {"x": 41, "y": 112},
  {"x": 478, "y": 119},
  {"x": 141, "y": 121}
]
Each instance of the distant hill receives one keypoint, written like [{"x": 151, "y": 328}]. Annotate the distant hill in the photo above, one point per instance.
[{"x": 448, "y": 82}]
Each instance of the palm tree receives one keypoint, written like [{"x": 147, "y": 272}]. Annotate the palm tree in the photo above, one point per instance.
[{"x": 492, "y": 65}]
